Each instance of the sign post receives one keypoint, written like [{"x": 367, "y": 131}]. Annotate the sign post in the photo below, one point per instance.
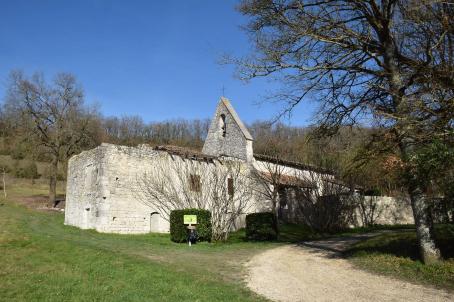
[{"x": 191, "y": 221}]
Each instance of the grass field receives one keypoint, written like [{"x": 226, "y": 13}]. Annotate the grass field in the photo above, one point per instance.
[{"x": 43, "y": 260}]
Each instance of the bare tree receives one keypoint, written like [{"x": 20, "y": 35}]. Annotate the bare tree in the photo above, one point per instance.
[
  {"x": 275, "y": 174},
  {"x": 177, "y": 183},
  {"x": 325, "y": 204},
  {"x": 389, "y": 62},
  {"x": 4, "y": 169},
  {"x": 269, "y": 179},
  {"x": 53, "y": 117},
  {"x": 369, "y": 208}
]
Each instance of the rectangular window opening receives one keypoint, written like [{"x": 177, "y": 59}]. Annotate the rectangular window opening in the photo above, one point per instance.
[
  {"x": 194, "y": 183},
  {"x": 230, "y": 188}
]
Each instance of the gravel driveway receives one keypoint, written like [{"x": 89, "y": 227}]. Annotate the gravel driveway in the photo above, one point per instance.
[{"x": 313, "y": 271}]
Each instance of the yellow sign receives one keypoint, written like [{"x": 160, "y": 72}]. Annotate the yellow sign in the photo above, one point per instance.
[{"x": 190, "y": 219}]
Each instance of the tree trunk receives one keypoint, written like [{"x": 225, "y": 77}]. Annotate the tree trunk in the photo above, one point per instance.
[
  {"x": 4, "y": 183},
  {"x": 424, "y": 226},
  {"x": 275, "y": 212},
  {"x": 423, "y": 220},
  {"x": 53, "y": 180}
]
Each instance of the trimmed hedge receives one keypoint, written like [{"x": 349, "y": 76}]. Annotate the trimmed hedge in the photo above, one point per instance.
[
  {"x": 261, "y": 227},
  {"x": 179, "y": 231}
]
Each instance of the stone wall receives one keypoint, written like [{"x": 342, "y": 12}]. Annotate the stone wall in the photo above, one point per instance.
[
  {"x": 127, "y": 214},
  {"x": 84, "y": 189},
  {"x": 235, "y": 142},
  {"x": 100, "y": 191},
  {"x": 104, "y": 189},
  {"x": 389, "y": 210}
]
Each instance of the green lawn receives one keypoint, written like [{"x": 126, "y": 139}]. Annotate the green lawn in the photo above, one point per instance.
[
  {"x": 396, "y": 254},
  {"x": 43, "y": 260}
]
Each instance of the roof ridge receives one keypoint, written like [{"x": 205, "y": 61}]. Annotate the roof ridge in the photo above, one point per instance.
[{"x": 184, "y": 152}]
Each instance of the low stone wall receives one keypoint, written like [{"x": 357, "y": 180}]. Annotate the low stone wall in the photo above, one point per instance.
[
  {"x": 379, "y": 209},
  {"x": 388, "y": 210}
]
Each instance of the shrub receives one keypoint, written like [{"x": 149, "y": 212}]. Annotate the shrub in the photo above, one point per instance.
[
  {"x": 179, "y": 231},
  {"x": 28, "y": 171},
  {"x": 19, "y": 172},
  {"x": 17, "y": 153},
  {"x": 4, "y": 168},
  {"x": 373, "y": 192},
  {"x": 61, "y": 176},
  {"x": 31, "y": 170},
  {"x": 261, "y": 226}
]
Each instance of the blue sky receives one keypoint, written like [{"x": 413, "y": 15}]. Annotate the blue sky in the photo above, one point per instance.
[{"x": 155, "y": 59}]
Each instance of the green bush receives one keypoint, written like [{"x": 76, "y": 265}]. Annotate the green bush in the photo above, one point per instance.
[
  {"x": 18, "y": 153},
  {"x": 179, "y": 231},
  {"x": 28, "y": 171},
  {"x": 4, "y": 168},
  {"x": 31, "y": 170},
  {"x": 261, "y": 227},
  {"x": 61, "y": 176}
]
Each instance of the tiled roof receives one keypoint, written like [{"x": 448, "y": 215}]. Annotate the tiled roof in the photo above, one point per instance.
[
  {"x": 287, "y": 180},
  {"x": 292, "y": 164},
  {"x": 185, "y": 152}
]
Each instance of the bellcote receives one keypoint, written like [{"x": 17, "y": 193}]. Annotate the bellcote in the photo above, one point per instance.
[{"x": 227, "y": 135}]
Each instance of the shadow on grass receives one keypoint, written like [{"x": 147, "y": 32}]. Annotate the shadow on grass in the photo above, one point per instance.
[
  {"x": 404, "y": 244},
  {"x": 296, "y": 233},
  {"x": 288, "y": 233}
]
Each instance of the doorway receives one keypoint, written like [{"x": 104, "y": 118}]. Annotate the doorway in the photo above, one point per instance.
[{"x": 154, "y": 222}]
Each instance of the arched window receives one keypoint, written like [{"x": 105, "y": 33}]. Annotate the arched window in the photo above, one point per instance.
[{"x": 222, "y": 125}]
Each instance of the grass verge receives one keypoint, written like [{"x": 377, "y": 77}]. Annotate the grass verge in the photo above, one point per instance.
[{"x": 396, "y": 254}]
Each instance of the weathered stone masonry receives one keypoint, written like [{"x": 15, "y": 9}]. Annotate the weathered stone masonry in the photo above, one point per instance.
[
  {"x": 227, "y": 135},
  {"x": 102, "y": 183},
  {"x": 106, "y": 193}
]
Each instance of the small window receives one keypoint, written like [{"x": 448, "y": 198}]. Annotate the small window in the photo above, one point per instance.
[
  {"x": 194, "y": 183},
  {"x": 222, "y": 126},
  {"x": 230, "y": 186}
]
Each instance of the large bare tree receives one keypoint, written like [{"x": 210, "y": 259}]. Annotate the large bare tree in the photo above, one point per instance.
[
  {"x": 174, "y": 182},
  {"x": 53, "y": 117},
  {"x": 383, "y": 62}
]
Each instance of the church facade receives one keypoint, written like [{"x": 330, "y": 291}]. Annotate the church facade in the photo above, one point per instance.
[{"x": 120, "y": 189}]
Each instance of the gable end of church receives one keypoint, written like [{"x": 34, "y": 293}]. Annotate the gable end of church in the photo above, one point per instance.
[{"x": 227, "y": 135}]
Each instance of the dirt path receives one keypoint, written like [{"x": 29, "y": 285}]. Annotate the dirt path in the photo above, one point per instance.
[{"x": 313, "y": 271}]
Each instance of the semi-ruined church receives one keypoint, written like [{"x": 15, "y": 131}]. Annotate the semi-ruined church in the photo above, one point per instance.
[{"x": 119, "y": 189}]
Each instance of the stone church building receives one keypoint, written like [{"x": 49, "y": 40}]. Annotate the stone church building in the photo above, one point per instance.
[{"x": 104, "y": 187}]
